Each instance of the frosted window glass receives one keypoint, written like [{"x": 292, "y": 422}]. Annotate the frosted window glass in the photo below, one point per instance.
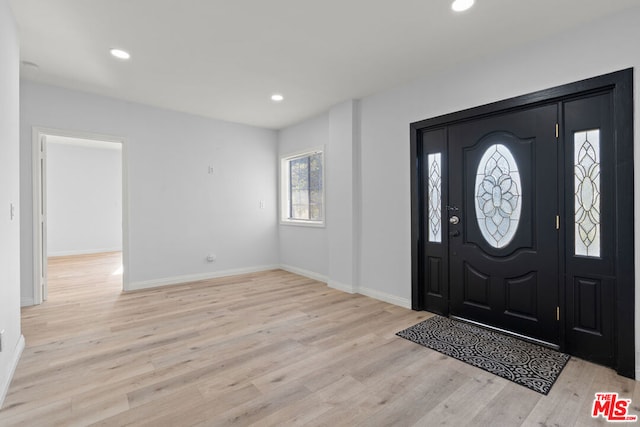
[
  {"x": 434, "y": 187},
  {"x": 498, "y": 198},
  {"x": 587, "y": 192}
]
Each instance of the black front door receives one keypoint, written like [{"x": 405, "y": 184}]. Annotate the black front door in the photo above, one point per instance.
[
  {"x": 522, "y": 217},
  {"x": 503, "y": 239}
]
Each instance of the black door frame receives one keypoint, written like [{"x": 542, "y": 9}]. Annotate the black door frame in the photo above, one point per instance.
[{"x": 620, "y": 84}]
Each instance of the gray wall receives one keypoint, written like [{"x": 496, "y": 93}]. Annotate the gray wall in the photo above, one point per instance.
[
  {"x": 304, "y": 249},
  {"x": 178, "y": 211},
  {"x": 382, "y": 225},
  {"x": 12, "y": 341},
  {"x": 601, "y": 47},
  {"x": 84, "y": 198},
  {"x": 177, "y": 215}
]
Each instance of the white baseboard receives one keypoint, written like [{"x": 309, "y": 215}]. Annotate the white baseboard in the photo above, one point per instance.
[
  {"x": 26, "y": 302},
  {"x": 83, "y": 252},
  {"x": 383, "y": 296},
  {"x": 305, "y": 273},
  {"x": 350, "y": 289},
  {"x": 177, "y": 280},
  {"x": 4, "y": 388}
]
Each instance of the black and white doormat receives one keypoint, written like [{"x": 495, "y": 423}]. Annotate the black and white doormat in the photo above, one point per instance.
[{"x": 527, "y": 364}]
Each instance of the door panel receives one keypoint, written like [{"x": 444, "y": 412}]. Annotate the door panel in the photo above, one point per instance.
[
  {"x": 434, "y": 266},
  {"x": 503, "y": 252},
  {"x": 558, "y": 235},
  {"x": 590, "y": 200}
]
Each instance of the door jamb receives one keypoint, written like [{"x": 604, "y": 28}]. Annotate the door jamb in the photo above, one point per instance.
[
  {"x": 37, "y": 133},
  {"x": 621, "y": 85}
]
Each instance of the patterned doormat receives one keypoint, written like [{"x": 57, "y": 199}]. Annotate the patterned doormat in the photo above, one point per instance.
[{"x": 527, "y": 364}]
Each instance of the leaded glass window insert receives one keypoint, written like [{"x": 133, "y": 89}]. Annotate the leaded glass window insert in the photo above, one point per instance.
[
  {"x": 498, "y": 198},
  {"x": 434, "y": 187},
  {"x": 587, "y": 192}
]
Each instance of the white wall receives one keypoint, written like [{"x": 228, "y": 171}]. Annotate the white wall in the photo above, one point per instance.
[
  {"x": 341, "y": 173},
  {"x": 383, "y": 215},
  {"x": 12, "y": 341},
  {"x": 601, "y": 47},
  {"x": 178, "y": 212},
  {"x": 332, "y": 254},
  {"x": 84, "y": 197},
  {"x": 305, "y": 249}
]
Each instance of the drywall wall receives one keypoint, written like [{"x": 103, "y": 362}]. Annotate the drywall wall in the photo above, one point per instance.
[
  {"x": 12, "y": 340},
  {"x": 328, "y": 253},
  {"x": 601, "y": 47},
  {"x": 305, "y": 249},
  {"x": 84, "y": 197},
  {"x": 194, "y": 185},
  {"x": 382, "y": 219},
  {"x": 342, "y": 187}
]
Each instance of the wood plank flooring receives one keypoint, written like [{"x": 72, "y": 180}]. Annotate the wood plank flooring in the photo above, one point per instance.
[{"x": 264, "y": 349}]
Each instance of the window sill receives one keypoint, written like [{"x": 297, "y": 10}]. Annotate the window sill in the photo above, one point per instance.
[{"x": 311, "y": 224}]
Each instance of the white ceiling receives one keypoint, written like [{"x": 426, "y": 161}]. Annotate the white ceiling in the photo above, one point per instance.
[{"x": 224, "y": 58}]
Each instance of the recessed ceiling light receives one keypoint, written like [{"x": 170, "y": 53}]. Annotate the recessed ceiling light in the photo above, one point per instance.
[
  {"x": 120, "y": 54},
  {"x": 276, "y": 97},
  {"x": 462, "y": 5}
]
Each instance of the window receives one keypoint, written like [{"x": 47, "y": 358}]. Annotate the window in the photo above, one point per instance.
[
  {"x": 498, "y": 197},
  {"x": 587, "y": 192},
  {"x": 302, "y": 188},
  {"x": 434, "y": 186}
]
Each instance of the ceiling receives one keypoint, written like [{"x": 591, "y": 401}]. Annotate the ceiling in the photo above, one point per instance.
[{"x": 225, "y": 58}]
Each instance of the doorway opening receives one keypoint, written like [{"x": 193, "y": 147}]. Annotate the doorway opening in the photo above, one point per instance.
[
  {"x": 80, "y": 221},
  {"x": 522, "y": 218}
]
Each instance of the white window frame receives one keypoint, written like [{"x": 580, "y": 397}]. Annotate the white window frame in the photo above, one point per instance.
[{"x": 285, "y": 193}]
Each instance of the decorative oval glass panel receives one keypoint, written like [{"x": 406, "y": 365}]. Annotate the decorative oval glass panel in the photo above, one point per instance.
[{"x": 498, "y": 198}]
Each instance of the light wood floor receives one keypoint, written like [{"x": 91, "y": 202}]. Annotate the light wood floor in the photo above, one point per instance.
[{"x": 262, "y": 349}]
